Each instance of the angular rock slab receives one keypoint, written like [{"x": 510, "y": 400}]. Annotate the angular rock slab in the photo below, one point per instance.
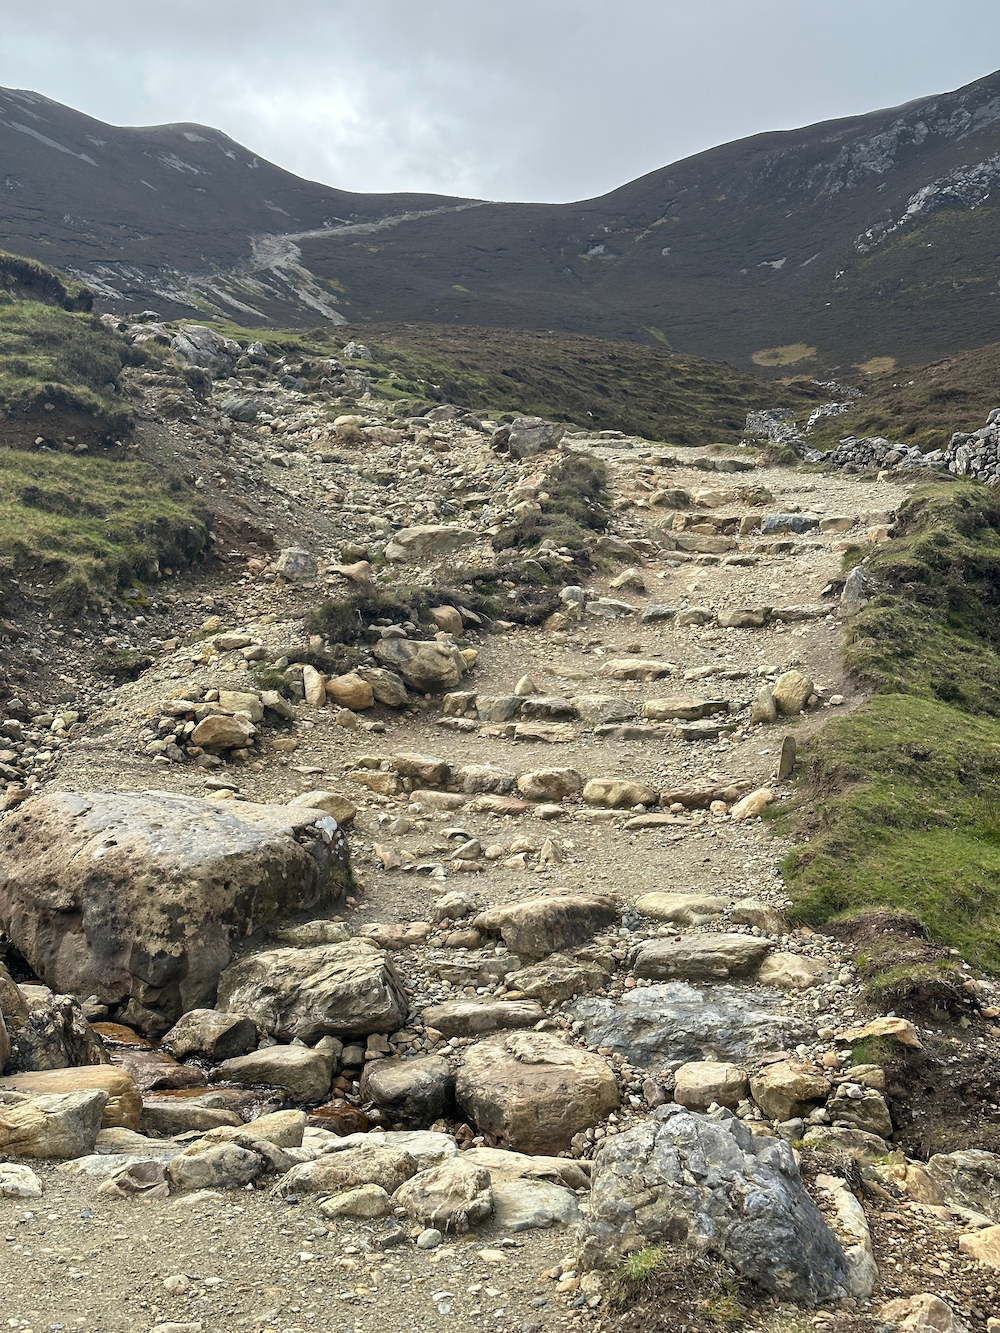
[
  {"x": 523, "y": 1205},
  {"x": 708, "y": 957},
  {"x": 533, "y": 1091},
  {"x": 658, "y": 1024},
  {"x": 142, "y": 897},
  {"x": 344, "y": 990},
  {"x": 463, "y": 1018},
  {"x": 50, "y": 1032},
  {"x": 549, "y": 924},
  {"x": 57, "y": 1124},
  {"x": 709, "y": 1182},
  {"x": 123, "y": 1107}
]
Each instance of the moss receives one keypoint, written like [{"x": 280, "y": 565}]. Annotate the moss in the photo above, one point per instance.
[
  {"x": 54, "y": 362},
  {"x": 635, "y": 1272},
  {"x": 76, "y": 526}
]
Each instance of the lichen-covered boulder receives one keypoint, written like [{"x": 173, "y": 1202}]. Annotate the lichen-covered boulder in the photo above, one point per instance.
[{"x": 140, "y": 898}]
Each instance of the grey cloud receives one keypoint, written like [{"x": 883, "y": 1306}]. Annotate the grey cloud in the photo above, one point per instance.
[{"x": 545, "y": 100}]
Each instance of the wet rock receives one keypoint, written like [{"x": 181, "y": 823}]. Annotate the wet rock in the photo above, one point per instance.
[
  {"x": 47, "y": 1031},
  {"x": 58, "y": 1124},
  {"x": 789, "y": 1088},
  {"x": 659, "y": 1024},
  {"x": 540, "y": 926},
  {"x": 213, "y": 1034},
  {"x": 171, "y": 884},
  {"x": 306, "y": 1074},
  {"x": 332, "y": 989},
  {"x": 415, "y": 1092},
  {"x": 708, "y": 957},
  {"x": 701, "y": 1082},
  {"x": 460, "y": 1018},
  {"x": 451, "y": 1197},
  {"x": 533, "y": 1092},
  {"x": 431, "y": 668},
  {"x": 686, "y": 1178},
  {"x": 123, "y": 1104}
]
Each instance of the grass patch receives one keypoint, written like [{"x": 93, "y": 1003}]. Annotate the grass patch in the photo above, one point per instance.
[
  {"x": 59, "y": 374},
  {"x": 578, "y": 509},
  {"x": 900, "y": 801},
  {"x": 74, "y": 527}
]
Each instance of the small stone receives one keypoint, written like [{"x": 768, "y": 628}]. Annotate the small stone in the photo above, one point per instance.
[{"x": 429, "y": 1239}]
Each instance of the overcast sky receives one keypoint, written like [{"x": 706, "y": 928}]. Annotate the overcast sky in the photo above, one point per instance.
[{"x": 523, "y": 99}]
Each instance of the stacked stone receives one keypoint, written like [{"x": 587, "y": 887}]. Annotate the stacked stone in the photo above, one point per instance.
[
  {"x": 977, "y": 455},
  {"x": 874, "y": 451}
]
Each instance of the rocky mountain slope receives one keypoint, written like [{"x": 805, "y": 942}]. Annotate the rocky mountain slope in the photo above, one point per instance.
[
  {"x": 864, "y": 240},
  {"x": 395, "y": 924}
]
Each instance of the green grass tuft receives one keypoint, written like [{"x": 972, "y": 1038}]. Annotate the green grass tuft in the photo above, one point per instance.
[
  {"x": 74, "y": 527},
  {"x": 900, "y": 799}
]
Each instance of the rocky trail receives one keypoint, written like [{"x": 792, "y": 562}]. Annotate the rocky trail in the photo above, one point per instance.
[{"x": 369, "y": 971}]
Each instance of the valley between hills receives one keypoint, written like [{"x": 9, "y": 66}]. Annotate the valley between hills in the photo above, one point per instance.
[{"x": 499, "y": 824}]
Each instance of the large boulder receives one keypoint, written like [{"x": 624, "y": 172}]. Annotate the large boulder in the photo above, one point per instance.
[
  {"x": 123, "y": 1104},
  {"x": 50, "y": 1032},
  {"x": 657, "y": 1025},
  {"x": 451, "y": 1197},
  {"x": 212, "y": 1034},
  {"x": 306, "y": 1074},
  {"x": 550, "y": 923},
  {"x": 141, "y": 897},
  {"x": 348, "y": 1168},
  {"x": 344, "y": 990},
  {"x": 431, "y": 668},
  {"x": 708, "y": 1182},
  {"x": 532, "y": 1091},
  {"x": 414, "y": 1092},
  {"x": 618, "y": 793},
  {"x": 197, "y": 345},
  {"x": 58, "y": 1124}
]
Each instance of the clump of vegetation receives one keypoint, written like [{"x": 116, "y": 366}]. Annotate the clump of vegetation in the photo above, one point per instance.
[
  {"x": 667, "y": 1287},
  {"x": 578, "y": 507},
  {"x": 920, "y": 405},
  {"x": 595, "y": 383},
  {"x": 900, "y": 799},
  {"x": 59, "y": 374},
  {"x": 78, "y": 527},
  {"x": 23, "y": 279}
]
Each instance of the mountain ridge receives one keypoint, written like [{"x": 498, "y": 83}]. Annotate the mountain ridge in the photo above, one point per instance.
[{"x": 852, "y": 241}]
